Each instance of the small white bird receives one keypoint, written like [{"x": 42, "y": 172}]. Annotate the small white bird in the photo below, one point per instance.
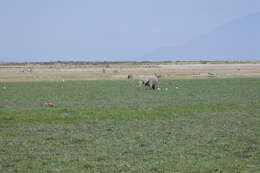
[
  {"x": 177, "y": 87},
  {"x": 4, "y": 87},
  {"x": 63, "y": 80},
  {"x": 166, "y": 89},
  {"x": 158, "y": 89}
]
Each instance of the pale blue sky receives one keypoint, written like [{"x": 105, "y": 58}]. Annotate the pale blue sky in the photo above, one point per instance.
[{"x": 44, "y": 30}]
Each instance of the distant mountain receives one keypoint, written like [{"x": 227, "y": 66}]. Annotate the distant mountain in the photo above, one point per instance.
[{"x": 236, "y": 40}]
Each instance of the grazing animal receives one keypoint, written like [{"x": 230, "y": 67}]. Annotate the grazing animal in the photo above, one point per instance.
[
  {"x": 152, "y": 83},
  {"x": 50, "y": 104}
]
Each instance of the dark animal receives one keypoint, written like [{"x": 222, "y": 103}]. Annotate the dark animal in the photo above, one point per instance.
[
  {"x": 130, "y": 76},
  {"x": 210, "y": 74}
]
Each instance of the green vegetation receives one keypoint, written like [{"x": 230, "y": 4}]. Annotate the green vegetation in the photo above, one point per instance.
[{"x": 189, "y": 126}]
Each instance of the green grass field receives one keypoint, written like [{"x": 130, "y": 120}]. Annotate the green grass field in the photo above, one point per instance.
[{"x": 196, "y": 126}]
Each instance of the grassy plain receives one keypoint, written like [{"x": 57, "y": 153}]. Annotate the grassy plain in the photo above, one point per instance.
[{"x": 193, "y": 126}]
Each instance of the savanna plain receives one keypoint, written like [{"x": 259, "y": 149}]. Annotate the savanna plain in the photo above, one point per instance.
[{"x": 60, "y": 118}]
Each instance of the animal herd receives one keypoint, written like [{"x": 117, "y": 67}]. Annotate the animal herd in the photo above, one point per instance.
[{"x": 151, "y": 82}]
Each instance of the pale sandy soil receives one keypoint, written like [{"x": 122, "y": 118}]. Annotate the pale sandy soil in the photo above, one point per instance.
[{"x": 117, "y": 72}]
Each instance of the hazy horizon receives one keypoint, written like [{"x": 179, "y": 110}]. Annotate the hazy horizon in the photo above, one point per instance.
[{"x": 88, "y": 30}]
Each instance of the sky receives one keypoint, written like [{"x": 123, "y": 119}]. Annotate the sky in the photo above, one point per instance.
[{"x": 102, "y": 30}]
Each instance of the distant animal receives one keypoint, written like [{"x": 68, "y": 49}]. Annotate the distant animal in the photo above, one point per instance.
[
  {"x": 29, "y": 70},
  {"x": 152, "y": 83},
  {"x": 130, "y": 76},
  {"x": 104, "y": 70},
  {"x": 211, "y": 74},
  {"x": 50, "y": 104}
]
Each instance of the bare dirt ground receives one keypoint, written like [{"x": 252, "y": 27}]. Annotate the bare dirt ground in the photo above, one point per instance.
[{"x": 120, "y": 71}]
